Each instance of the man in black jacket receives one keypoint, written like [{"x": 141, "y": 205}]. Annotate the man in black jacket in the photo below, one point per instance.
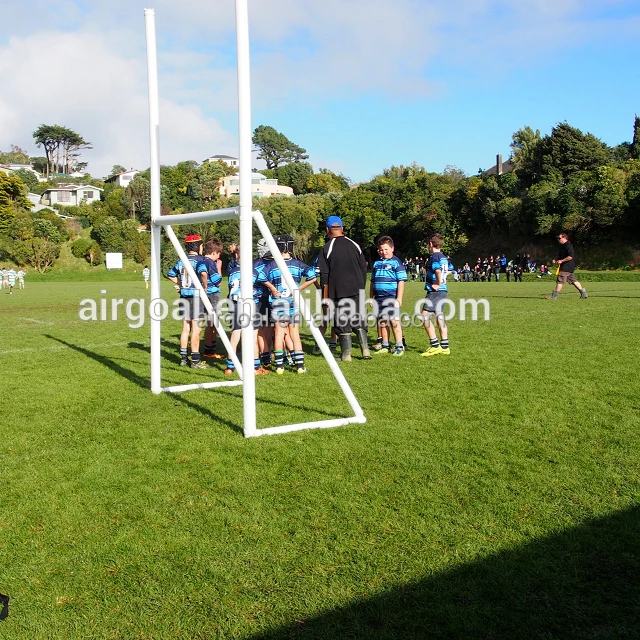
[
  {"x": 566, "y": 266},
  {"x": 343, "y": 276}
]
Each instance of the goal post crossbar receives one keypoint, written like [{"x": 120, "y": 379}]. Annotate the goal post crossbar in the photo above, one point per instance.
[{"x": 197, "y": 217}]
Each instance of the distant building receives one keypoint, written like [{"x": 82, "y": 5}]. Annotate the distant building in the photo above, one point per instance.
[
  {"x": 70, "y": 195},
  {"x": 10, "y": 168},
  {"x": 500, "y": 167},
  {"x": 124, "y": 178},
  {"x": 230, "y": 160},
  {"x": 261, "y": 186}
]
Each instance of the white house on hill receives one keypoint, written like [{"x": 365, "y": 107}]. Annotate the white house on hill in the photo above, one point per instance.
[
  {"x": 124, "y": 178},
  {"x": 10, "y": 168},
  {"x": 261, "y": 186},
  {"x": 230, "y": 160},
  {"x": 71, "y": 194}
]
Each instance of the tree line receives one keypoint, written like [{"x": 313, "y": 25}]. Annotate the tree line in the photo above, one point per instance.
[{"x": 564, "y": 180}]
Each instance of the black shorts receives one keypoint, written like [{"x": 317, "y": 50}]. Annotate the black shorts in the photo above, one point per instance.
[{"x": 348, "y": 317}]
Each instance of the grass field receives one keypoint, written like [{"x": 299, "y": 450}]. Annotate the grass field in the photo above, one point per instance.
[{"x": 494, "y": 493}]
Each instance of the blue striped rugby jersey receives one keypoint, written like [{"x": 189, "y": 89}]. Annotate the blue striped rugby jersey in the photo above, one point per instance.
[
  {"x": 213, "y": 283},
  {"x": 437, "y": 261},
  {"x": 233, "y": 270},
  {"x": 298, "y": 271},
  {"x": 187, "y": 287},
  {"x": 385, "y": 276}
]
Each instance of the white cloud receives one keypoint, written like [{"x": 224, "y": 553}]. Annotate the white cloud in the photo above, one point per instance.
[
  {"x": 99, "y": 94},
  {"x": 83, "y": 65}
]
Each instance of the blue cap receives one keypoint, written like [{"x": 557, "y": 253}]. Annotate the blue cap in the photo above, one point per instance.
[{"x": 334, "y": 221}]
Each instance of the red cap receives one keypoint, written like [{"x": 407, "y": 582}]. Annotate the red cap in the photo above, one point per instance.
[{"x": 194, "y": 237}]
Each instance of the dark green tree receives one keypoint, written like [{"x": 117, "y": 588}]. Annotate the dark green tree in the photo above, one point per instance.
[
  {"x": 294, "y": 175},
  {"x": 275, "y": 148},
  {"x": 567, "y": 151},
  {"x": 108, "y": 234},
  {"x": 526, "y": 161},
  {"x": 61, "y": 146},
  {"x": 28, "y": 177},
  {"x": 635, "y": 143},
  {"x": 116, "y": 169}
]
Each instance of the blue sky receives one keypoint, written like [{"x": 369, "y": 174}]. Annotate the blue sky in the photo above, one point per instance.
[{"x": 361, "y": 84}]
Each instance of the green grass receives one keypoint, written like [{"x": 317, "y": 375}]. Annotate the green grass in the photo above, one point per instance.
[{"x": 492, "y": 493}]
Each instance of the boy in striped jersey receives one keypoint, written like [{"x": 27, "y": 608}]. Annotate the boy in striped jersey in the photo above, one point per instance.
[
  {"x": 11, "y": 278},
  {"x": 233, "y": 270},
  {"x": 212, "y": 250},
  {"x": 388, "y": 276},
  {"x": 192, "y": 308},
  {"x": 146, "y": 274},
  {"x": 436, "y": 286},
  {"x": 283, "y": 308}
]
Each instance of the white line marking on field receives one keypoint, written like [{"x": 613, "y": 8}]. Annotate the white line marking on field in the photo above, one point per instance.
[
  {"x": 49, "y": 324},
  {"x": 56, "y": 347}
]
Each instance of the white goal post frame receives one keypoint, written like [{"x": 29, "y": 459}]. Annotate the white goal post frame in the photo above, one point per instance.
[{"x": 247, "y": 217}]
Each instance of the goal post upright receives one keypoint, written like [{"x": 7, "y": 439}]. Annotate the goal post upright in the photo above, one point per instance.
[
  {"x": 154, "y": 130},
  {"x": 246, "y": 303}
]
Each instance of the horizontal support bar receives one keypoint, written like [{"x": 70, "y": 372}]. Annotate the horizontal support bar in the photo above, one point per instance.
[
  {"x": 199, "y": 216},
  {"x": 202, "y": 385},
  {"x": 320, "y": 424}
]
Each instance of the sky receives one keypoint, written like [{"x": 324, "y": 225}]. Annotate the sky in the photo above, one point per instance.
[{"x": 360, "y": 84}]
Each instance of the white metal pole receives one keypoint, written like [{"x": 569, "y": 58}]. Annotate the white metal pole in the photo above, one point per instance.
[
  {"x": 154, "y": 126},
  {"x": 199, "y": 216},
  {"x": 246, "y": 240}
]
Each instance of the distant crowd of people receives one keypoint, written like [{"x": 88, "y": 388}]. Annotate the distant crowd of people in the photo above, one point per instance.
[{"x": 483, "y": 270}]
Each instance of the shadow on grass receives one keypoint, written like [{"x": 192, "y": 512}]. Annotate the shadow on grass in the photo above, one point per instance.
[
  {"x": 288, "y": 405},
  {"x": 581, "y": 583},
  {"x": 144, "y": 382},
  {"x": 221, "y": 364}
]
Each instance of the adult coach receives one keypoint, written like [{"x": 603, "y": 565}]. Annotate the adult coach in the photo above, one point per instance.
[
  {"x": 566, "y": 265},
  {"x": 343, "y": 277}
]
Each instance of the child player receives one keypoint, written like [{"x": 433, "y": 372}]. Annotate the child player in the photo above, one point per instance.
[
  {"x": 265, "y": 332},
  {"x": 234, "y": 295},
  {"x": 212, "y": 251},
  {"x": 436, "y": 286},
  {"x": 285, "y": 316},
  {"x": 145, "y": 276},
  {"x": 388, "y": 276},
  {"x": 11, "y": 277},
  {"x": 191, "y": 306}
]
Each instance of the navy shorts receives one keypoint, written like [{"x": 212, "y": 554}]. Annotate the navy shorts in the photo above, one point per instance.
[
  {"x": 387, "y": 309},
  {"x": 192, "y": 308},
  {"x": 434, "y": 301},
  {"x": 237, "y": 319}
]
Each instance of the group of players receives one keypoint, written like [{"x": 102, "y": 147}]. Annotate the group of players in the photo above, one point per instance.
[
  {"x": 340, "y": 271},
  {"x": 8, "y": 278}
]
